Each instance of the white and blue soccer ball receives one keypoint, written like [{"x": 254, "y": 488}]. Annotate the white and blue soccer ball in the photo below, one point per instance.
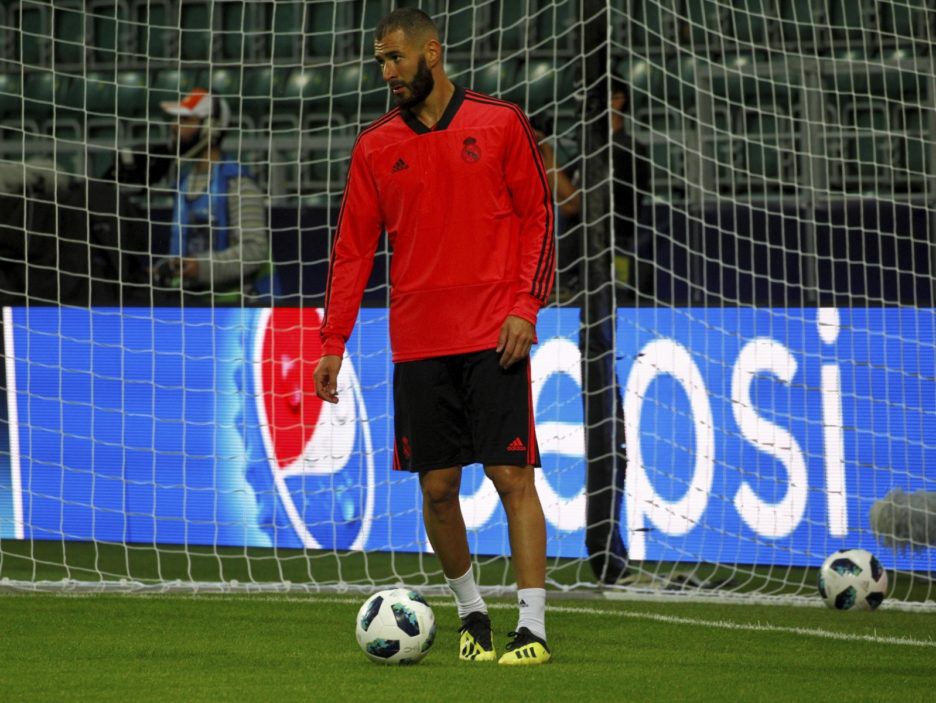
[
  {"x": 396, "y": 626},
  {"x": 852, "y": 579}
]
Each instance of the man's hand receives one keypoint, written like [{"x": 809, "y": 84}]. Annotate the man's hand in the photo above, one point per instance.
[
  {"x": 188, "y": 268},
  {"x": 326, "y": 378},
  {"x": 516, "y": 338}
]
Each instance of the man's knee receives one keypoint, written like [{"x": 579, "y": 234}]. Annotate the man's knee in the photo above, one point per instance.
[
  {"x": 440, "y": 487},
  {"x": 511, "y": 480}
]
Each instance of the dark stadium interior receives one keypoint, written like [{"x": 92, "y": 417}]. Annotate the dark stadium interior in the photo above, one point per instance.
[{"x": 808, "y": 123}]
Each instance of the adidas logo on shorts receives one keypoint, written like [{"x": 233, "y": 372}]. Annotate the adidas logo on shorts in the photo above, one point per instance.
[{"x": 516, "y": 446}]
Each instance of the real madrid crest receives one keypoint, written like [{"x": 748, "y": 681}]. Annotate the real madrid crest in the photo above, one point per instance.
[{"x": 471, "y": 152}]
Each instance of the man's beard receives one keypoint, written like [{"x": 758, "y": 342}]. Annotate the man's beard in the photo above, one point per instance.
[
  {"x": 183, "y": 148},
  {"x": 419, "y": 88}
]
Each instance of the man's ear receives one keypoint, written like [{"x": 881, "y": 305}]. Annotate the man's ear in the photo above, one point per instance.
[{"x": 433, "y": 52}]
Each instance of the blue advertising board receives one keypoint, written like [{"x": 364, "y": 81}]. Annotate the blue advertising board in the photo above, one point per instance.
[
  {"x": 753, "y": 435},
  {"x": 10, "y": 520}
]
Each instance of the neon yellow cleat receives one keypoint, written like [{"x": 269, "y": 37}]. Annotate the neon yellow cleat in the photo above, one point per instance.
[
  {"x": 475, "y": 643},
  {"x": 525, "y": 648}
]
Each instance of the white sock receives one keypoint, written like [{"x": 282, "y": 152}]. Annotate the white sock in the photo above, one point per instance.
[
  {"x": 467, "y": 596},
  {"x": 532, "y": 603}
]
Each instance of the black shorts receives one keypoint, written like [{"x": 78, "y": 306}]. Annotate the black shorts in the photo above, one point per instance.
[{"x": 463, "y": 409}]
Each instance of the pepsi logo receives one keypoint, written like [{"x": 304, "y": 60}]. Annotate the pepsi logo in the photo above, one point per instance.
[{"x": 320, "y": 456}]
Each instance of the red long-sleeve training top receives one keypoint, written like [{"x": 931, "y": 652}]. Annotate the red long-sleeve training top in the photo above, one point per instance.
[{"x": 467, "y": 209}]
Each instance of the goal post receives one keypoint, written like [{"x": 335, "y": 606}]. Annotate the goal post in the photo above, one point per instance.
[{"x": 735, "y": 377}]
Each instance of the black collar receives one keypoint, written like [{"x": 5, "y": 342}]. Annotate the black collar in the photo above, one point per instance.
[{"x": 414, "y": 124}]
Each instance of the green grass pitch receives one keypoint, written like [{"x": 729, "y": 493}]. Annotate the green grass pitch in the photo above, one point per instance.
[
  {"x": 265, "y": 647},
  {"x": 278, "y": 648}
]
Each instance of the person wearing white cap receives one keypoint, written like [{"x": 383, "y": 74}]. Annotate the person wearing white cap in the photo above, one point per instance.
[{"x": 219, "y": 249}]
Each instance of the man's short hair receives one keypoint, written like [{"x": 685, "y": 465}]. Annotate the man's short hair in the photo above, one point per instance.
[{"x": 413, "y": 21}]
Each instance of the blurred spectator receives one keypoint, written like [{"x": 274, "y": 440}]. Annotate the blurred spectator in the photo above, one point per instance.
[
  {"x": 630, "y": 162},
  {"x": 220, "y": 248}
]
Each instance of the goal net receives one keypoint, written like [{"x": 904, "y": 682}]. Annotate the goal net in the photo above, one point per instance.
[{"x": 735, "y": 377}]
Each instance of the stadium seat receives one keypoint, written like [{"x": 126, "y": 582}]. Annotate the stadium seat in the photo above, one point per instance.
[
  {"x": 346, "y": 90},
  {"x": 39, "y": 92},
  {"x": 679, "y": 87},
  {"x": 100, "y": 99},
  {"x": 852, "y": 23},
  {"x": 895, "y": 81},
  {"x": 375, "y": 95},
  {"x": 798, "y": 23},
  {"x": 11, "y": 97},
  {"x": 101, "y": 149},
  {"x": 259, "y": 85},
  {"x": 538, "y": 79},
  {"x": 856, "y": 73},
  {"x": 749, "y": 21},
  {"x": 742, "y": 86},
  {"x": 236, "y": 19},
  {"x": 458, "y": 71},
  {"x": 132, "y": 103},
  {"x": 34, "y": 34},
  {"x": 70, "y": 109},
  {"x": 304, "y": 97},
  {"x": 225, "y": 83},
  {"x": 168, "y": 85},
  {"x": 867, "y": 153},
  {"x": 538, "y": 85},
  {"x": 763, "y": 149},
  {"x": 494, "y": 78},
  {"x": 131, "y": 94},
  {"x": 705, "y": 26},
  {"x": 157, "y": 30},
  {"x": 195, "y": 22},
  {"x": 458, "y": 26},
  {"x": 108, "y": 20},
  {"x": 286, "y": 23},
  {"x": 553, "y": 24},
  {"x": 654, "y": 25},
  {"x": 316, "y": 169},
  {"x": 916, "y": 144},
  {"x": 644, "y": 79},
  {"x": 323, "y": 165},
  {"x": 69, "y": 23},
  {"x": 321, "y": 29},
  {"x": 668, "y": 166},
  {"x": 903, "y": 23},
  {"x": 510, "y": 19},
  {"x": 371, "y": 13}
]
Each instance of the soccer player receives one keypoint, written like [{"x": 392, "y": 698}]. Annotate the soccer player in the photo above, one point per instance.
[{"x": 456, "y": 180}]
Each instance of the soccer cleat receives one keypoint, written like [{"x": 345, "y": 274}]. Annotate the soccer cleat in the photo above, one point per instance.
[
  {"x": 476, "y": 643},
  {"x": 525, "y": 648}
]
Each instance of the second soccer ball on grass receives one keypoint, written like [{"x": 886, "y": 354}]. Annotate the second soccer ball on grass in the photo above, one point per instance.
[{"x": 852, "y": 579}]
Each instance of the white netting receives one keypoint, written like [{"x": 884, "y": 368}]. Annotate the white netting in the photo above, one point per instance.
[{"x": 744, "y": 295}]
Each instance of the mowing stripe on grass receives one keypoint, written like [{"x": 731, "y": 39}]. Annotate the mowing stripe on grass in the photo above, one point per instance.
[
  {"x": 752, "y": 627},
  {"x": 656, "y": 617}
]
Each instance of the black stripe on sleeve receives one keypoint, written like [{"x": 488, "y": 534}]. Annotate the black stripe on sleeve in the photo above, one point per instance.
[
  {"x": 543, "y": 274},
  {"x": 344, "y": 201}
]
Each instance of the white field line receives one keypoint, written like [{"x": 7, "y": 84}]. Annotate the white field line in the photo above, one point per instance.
[{"x": 625, "y": 614}]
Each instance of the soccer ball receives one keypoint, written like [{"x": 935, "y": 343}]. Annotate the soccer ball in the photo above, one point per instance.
[
  {"x": 395, "y": 626},
  {"x": 852, "y": 579}
]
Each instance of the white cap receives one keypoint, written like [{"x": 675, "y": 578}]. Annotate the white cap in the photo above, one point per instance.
[{"x": 196, "y": 104}]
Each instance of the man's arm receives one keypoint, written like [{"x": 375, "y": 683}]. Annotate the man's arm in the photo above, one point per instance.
[
  {"x": 532, "y": 202},
  {"x": 248, "y": 238},
  {"x": 326, "y": 378},
  {"x": 352, "y": 257}
]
